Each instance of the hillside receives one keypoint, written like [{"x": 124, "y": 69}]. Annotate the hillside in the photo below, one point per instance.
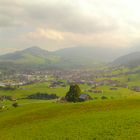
[
  {"x": 76, "y": 57},
  {"x": 44, "y": 120},
  {"x": 30, "y": 58},
  {"x": 37, "y": 57},
  {"x": 33, "y": 55},
  {"x": 131, "y": 60},
  {"x": 98, "y": 54}
]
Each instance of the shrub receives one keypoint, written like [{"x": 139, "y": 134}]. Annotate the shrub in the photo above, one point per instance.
[
  {"x": 43, "y": 96},
  {"x": 15, "y": 104},
  {"x": 103, "y": 97},
  {"x": 95, "y": 98}
]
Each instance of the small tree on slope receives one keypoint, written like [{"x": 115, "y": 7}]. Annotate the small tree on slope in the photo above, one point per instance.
[{"x": 73, "y": 93}]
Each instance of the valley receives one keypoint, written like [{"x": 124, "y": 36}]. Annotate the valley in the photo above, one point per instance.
[
  {"x": 69, "y": 70},
  {"x": 32, "y": 101}
]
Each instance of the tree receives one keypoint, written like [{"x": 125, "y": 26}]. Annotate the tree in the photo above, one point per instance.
[{"x": 73, "y": 93}]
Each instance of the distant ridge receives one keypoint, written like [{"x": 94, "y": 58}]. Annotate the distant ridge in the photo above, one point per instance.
[
  {"x": 32, "y": 51},
  {"x": 132, "y": 59},
  {"x": 99, "y": 54},
  {"x": 76, "y": 57}
]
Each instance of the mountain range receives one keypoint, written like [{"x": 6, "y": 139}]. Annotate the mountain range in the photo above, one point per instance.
[
  {"x": 130, "y": 60},
  {"x": 75, "y": 57},
  {"x": 64, "y": 58}
]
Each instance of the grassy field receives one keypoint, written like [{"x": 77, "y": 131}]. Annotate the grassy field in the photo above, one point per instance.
[
  {"x": 115, "y": 118},
  {"x": 24, "y": 91},
  {"x": 94, "y": 120}
]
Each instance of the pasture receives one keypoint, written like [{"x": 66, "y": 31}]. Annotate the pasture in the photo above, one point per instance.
[
  {"x": 114, "y": 118},
  {"x": 49, "y": 120}
]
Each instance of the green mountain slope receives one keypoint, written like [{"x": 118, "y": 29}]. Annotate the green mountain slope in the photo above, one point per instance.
[
  {"x": 68, "y": 58},
  {"x": 31, "y": 58},
  {"x": 131, "y": 60},
  {"x": 76, "y": 57},
  {"x": 33, "y": 55}
]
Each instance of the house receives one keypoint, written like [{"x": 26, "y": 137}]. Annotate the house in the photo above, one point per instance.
[
  {"x": 84, "y": 97},
  {"x": 113, "y": 88},
  {"x": 13, "y": 99},
  {"x": 2, "y": 84},
  {"x": 136, "y": 88},
  {"x": 98, "y": 91}
]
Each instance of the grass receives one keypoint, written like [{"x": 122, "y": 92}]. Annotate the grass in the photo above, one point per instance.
[
  {"x": 100, "y": 120},
  {"x": 61, "y": 91},
  {"x": 116, "y": 118},
  {"x": 34, "y": 88}
]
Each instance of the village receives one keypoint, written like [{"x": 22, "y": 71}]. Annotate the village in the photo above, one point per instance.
[
  {"x": 55, "y": 77},
  {"x": 93, "y": 80}
]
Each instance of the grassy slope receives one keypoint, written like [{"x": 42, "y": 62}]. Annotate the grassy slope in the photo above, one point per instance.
[
  {"x": 31, "y": 59},
  {"x": 101, "y": 120},
  {"x": 112, "y": 119},
  {"x": 31, "y": 89}
]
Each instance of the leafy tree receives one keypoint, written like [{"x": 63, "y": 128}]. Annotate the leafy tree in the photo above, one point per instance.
[{"x": 73, "y": 93}]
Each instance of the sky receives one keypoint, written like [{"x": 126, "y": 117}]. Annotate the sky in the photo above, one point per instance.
[{"x": 56, "y": 24}]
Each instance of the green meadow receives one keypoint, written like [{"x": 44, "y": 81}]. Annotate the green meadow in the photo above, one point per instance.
[
  {"x": 93, "y": 120},
  {"x": 24, "y": 91},
  {"x": 115, "y": 118}
]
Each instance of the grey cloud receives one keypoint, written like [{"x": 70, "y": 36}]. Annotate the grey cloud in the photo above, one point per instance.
[
  {"x": 11, "y": 14},
  {"x": 60, "y": 16},
  {"x": 100, "y": 23},
  {"x": 69, "y": 18}
]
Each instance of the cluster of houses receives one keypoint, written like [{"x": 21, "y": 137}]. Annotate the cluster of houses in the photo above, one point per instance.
[
  {"x": 136, "y": 88},
  {"x": 55, "y": 84},
  {"x": 3, "y": 98},
  {"x": 20, "y": 79},
  {"x": 88, "y": 77}
]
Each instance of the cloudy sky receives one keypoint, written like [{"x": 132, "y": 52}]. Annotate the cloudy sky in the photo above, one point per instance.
[{"x": 56, "y": 24}]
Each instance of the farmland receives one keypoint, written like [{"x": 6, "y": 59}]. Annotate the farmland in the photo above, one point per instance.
[
  {"x": 113, "y": 114},
  {"x": 69, "y": 70},
  {"x": 105, "y": 120}
]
